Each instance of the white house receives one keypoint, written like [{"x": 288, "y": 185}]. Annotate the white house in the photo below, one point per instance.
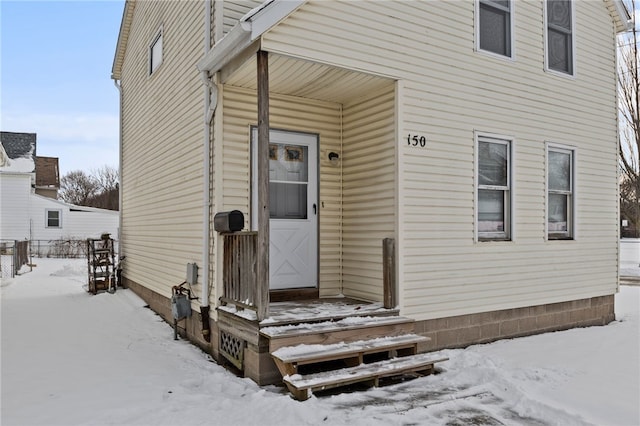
[
  {"x": 475, "y": 140},
  {"x": 25, "y": 215}
]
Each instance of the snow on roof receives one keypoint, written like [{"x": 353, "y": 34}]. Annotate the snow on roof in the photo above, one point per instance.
[{"x": 18, "y": 154}]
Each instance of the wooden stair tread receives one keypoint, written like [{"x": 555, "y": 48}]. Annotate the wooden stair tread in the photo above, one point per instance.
[
  {"x": 350, "y": 323},
  {"x": 300, "y": 354},
  {"x": 360, "y": 373}
]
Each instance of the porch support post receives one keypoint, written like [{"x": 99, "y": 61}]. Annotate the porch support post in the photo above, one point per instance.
[
  {"x": 389, "y": 273},
  {"x": 262, "y": 267}
]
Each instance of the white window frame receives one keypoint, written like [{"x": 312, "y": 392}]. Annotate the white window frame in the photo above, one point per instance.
[
  {"x": 509, "y": 211},
  {"x": 46, "y": 218},
  {"x": 573, "y": 42},
  {"x": 512, "y": 45},
  {"x": 570, "y": 234},
  {"x": 153, "y": 53}
]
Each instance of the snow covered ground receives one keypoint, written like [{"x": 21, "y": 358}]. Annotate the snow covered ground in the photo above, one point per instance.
[
  {"x": 70, "y": 358},
  {"x": 630, "y": 257}
]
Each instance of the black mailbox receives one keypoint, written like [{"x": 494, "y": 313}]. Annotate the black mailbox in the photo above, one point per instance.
[{"x": 232, "y": 221}]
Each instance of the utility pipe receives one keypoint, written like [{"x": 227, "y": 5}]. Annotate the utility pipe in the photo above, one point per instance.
[
  {"x": 120, "y": 249},
  {"x": 204, "y": 299}
]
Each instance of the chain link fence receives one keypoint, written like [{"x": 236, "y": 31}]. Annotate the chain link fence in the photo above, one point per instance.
[{"x": 13, "y": 256}]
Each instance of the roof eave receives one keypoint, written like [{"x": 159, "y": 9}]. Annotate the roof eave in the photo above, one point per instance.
[
  {"x": 251, "y": 27},
  {"x": 625, "y": 20},
  {"x": 123, "y": 36}
]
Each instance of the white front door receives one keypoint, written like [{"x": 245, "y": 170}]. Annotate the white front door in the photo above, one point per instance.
[{"x": 293, "y": 204}]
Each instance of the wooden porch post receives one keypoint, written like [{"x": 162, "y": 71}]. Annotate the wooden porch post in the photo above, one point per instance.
[
  {"x": 389, "y": 273},
  {"x": 262, "y": 269}
]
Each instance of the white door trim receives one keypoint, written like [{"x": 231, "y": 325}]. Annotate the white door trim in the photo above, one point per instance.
[{"x": 294, "y": 243}]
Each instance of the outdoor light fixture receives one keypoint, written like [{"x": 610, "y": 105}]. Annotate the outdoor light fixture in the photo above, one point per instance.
[{"x": 334, "y": 157}]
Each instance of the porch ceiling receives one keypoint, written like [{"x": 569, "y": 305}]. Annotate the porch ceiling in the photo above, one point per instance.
[{"x": 295, "y": 77}]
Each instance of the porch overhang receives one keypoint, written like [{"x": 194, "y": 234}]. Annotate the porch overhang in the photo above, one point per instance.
[{"x": 247, "y": 31}]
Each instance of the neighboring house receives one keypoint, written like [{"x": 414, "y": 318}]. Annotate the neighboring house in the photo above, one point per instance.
[
  {"x": 478, "y": 139},
  {"x": 26, "y": 215}
]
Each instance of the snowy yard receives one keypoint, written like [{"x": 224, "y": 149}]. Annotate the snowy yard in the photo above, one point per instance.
[
  {"x": 630, "y": 257},
  {"x": 70, "y": 358}
]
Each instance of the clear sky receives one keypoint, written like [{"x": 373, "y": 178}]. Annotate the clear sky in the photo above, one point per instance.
[{"x": 55, "y": 78}]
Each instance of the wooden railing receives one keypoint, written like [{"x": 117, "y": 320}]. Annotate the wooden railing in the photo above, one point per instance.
[{"x": 240, "y": 286}]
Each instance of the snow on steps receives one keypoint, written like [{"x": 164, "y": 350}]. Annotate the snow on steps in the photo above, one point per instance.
[
  {"x": 329, "y": 332},
  {"x": 307, "y": 354},
  {"x": 301, "y": 386},
  {"x": 351, "y": 354}
]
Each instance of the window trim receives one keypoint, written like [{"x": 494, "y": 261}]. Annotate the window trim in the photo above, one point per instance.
[
  {"x": 159, "y": 36},
  {"x": 573, "y": 73},
  {"x": 570, "y": 235},
  {"x": 46, "y": 218},
  {"x": 512, "y": 44},
  {"x": 509, "y": 210}
]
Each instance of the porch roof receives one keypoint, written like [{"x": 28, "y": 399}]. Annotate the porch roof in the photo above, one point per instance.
[{"x": 246, "y": 31}]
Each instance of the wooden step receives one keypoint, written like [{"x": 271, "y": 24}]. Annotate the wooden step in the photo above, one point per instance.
[
  {"x": 289, "y": 358},
  {"x": 301, "y": 386},
  {"x": 345, "y": 330}
]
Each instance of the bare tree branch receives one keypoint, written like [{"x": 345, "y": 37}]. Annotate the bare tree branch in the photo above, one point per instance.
[{"x": 629, "y": 113}]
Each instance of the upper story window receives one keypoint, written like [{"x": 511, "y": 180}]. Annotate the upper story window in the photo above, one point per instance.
[
  {"x": 54, "y": 218},
  {"x": 155, "y": 52},
  {"x": 494, "y": 189},
  {"x": 495, "y": 29},
  {"x": 560, "y": 193},
  {"x": 560, "y": 31}
]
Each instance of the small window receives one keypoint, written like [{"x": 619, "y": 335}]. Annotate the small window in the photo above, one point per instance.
[
  {"x": 494, "y": 189},
  {"x": 560, "y": 36},
  {"x": 494, "y": 26},
  {"x": 54, "y": 219},
  {"x": 560, "y": 193},
  {"x": 155, "y": 53}
]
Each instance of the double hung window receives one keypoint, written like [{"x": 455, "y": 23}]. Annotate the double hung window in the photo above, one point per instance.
[
  {"x": 560, "y": 193},
  {"x": 155, "y": 52},
  {"x": 54, "y": 218},
  {"x": 494, "y": 189},
  {"x": 560, "y": 36},
  {"x": 494, "y": 26}
]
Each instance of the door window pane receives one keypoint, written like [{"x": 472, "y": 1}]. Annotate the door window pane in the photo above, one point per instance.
[{"x": 288, "y": 175}]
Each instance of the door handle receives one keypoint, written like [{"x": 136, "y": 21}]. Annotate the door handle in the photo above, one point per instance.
[{"x": 315, "y": 208}]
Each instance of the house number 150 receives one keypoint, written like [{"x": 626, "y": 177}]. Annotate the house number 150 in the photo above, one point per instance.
[{"x": 415, "y": 140}]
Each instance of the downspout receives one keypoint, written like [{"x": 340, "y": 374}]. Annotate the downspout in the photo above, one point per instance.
[
  {"x": 208, "y": 114},
  {"x": 119, "y": 237}
]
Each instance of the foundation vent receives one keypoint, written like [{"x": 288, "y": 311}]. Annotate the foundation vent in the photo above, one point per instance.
[{"x": 232, "y": 348}]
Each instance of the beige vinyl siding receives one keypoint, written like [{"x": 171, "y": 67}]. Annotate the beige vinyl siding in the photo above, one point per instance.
[
  {"x": 162, "y": 146},
  {"x": 233, "y": 10},
  {"x": 368, "y": 164},
  {"x": 294, "y": 114},
  {"x": 449, "y": 91}
]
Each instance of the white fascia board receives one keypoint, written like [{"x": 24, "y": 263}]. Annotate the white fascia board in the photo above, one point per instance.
[
  {"x": 246, "y": 31},
  {"x": 226, "y": 49},
  {"x": 627, "y": 21},
  {"x": 265, "y": 18}
]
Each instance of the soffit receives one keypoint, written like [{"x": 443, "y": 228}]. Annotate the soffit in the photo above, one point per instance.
[{"x": 305, "y": 79}]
